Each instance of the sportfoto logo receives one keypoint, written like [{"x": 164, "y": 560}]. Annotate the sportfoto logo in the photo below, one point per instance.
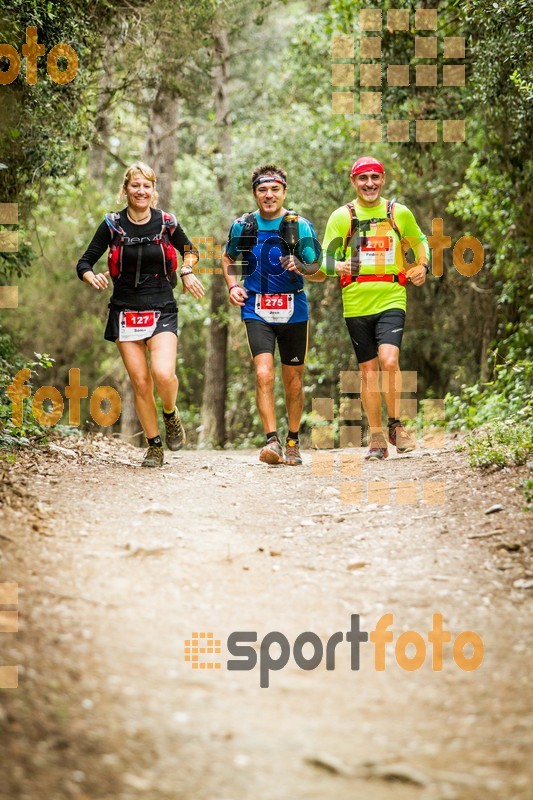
[
  {"x": 31, "y": 51},
  {"x": 439, "y": 61},
  {"x": 274, "y": 650},
  {"x": 9, "y": 243},
  {"x": 50, "y": 415}
]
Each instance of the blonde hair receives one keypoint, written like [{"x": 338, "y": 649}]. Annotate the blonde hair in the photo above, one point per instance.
[{"x": 147, "y": 172}]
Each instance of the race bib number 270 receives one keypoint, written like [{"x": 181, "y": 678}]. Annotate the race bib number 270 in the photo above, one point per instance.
[{"x": 377, "y": 249}]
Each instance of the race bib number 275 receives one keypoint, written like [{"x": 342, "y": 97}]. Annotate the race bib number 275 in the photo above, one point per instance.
[{"x": 274, "y": 307}]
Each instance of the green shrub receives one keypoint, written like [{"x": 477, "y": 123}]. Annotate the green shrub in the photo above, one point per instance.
[
  {"x": 10, "y": 363},
  {"x": 507, "y": 397},
  {"x": 501, "y": 444}
]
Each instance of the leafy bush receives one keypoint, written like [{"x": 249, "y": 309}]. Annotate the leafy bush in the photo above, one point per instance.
[
  {"x": 10, "y": 363},
  {"x": 500, "y": 445},
  {"x": 509, "y": 396},
  {"x": 527, "y": 488}
]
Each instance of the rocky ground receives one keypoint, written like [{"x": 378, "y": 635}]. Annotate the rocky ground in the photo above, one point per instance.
[{"x": 117, "y": 567}]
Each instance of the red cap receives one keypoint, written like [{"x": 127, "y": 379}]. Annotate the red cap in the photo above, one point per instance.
[{"x": 367, "y": 164}]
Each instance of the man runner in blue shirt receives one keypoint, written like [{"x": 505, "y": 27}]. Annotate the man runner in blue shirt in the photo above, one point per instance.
[{"x": 278, "y": 249}]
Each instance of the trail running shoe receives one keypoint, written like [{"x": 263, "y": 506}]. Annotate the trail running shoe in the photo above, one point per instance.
[
  {"x": 292, "y": 453},
  {"x": 272, "y": 452},
  {"x": 154, "y": 456},
  {"x": 399, "y": 437},
  {"x": 378, "y": 450},
  {"x": 175, "y": 437}
]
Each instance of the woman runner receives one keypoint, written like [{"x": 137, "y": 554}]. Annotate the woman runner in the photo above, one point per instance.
[{"x": 143, "y": 314}]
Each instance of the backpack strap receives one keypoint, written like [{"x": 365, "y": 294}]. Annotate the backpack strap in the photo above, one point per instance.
[
  {"x": 247, "y": 239},
  {"x": 248, "y": 236},
  {"x": 403, "y": 241},
  {"x": 354, "y": 226},
  {"x": 390, "y": 217},
  {"x": 169, "y": 223},
  {"x": 354, "y": 222},
  {"x": 117, "y": 232}
]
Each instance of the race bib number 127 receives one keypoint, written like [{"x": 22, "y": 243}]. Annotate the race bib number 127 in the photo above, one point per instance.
[{"x": 137, "y": 325}]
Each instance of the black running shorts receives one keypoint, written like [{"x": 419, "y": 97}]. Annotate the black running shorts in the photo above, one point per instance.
[
  {"x": 290, "y": 336},
  {"x": 367, "y": 333},
  {"x": 167, "y": 323}
]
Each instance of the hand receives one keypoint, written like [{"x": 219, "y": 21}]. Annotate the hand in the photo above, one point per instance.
[
  {"x": 417, "y": 275},
  {"x": 238, "y": 296},
  {"x": 293, "y": 264},
  {"x": 350, "y": 267},
  {"x": 192, "y": 285},
  {"x": 99, "y": 281}
]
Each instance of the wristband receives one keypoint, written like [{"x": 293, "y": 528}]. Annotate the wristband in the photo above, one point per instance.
[
  {"x": 186, "y": 271},
  {"x": 426, "y": 267},
  {"x": 235, "y": 286}
]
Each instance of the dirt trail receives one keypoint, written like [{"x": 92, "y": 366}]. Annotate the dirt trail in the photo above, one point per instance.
[{"x": 118, "y": 566}]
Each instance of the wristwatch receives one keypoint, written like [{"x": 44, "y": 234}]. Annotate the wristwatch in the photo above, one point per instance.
[{"x": 426, "y": 267}]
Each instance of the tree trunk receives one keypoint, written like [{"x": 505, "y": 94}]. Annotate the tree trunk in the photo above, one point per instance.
[
  {"x": 213, "y": 417},
  {"x": 100, "y": 147},
  {"x": 161, "y": 149},
  {"x": 129, "y": 423}
]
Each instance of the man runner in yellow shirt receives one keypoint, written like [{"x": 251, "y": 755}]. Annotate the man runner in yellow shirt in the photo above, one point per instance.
[{"x": 365, "y": 244}]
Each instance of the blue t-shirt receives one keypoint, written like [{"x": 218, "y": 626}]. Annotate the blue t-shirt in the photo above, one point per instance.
[{"x": 264, "y": 273}]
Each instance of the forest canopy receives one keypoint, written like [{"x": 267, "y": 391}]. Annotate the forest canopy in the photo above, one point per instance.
[{"x": 204, "y": 91}]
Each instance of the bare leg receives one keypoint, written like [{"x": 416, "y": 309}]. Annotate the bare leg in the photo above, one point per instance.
[
  {"x": 134, "y": 358},
  {"x": 370, "y": 394},
  {"x": 389, "y": 357},
  {"x": 163, "y": 349},
  {"x": 264, "y": 390},
  {"x": 294, "y": 393}
]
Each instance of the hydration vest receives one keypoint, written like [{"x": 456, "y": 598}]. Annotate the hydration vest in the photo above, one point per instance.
[
  {"x": 355, "y": 230},
  {"x": 288, "y": 233},
  {"x": 170, "y": 258}
]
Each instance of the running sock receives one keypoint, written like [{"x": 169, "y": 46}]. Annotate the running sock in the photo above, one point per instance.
[
  {"x": 155, "y": 441},
  {"x": 168, "y": 414},
  {"x": 271, "y": 434},
  {"x": 293, "y": 435},
  {"x": 394, "y": 421}
]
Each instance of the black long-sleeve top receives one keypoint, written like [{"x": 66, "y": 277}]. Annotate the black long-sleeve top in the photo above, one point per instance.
[{"x": 153, "y": 289}]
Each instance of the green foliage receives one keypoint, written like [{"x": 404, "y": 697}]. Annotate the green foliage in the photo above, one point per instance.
[
  {"x": 527, "y": 488},
  {"x": 501, "y": 444},
  {"x": 280, "y": 111},
  {"x": 43, "y": 127},
  {"x": 29, "y": 432},
  {"x": 508, "y": 396}
]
